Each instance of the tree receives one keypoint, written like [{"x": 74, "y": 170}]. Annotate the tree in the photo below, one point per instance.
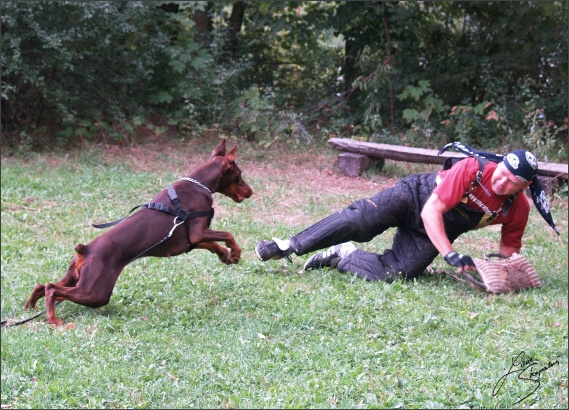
[
  {"x": 77, "y": 69},
  {"x": 67, "y": 66}
]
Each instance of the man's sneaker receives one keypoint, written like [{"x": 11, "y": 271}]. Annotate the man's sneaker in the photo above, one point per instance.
[
  {"x": 267, "y": 250},
  {"x": 331, "y": 257}
]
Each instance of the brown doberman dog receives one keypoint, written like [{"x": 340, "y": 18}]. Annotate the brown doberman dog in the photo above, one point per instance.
[{"x": 152, "y": 231}]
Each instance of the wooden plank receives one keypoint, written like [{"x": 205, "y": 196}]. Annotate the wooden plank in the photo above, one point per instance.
[
  {"x": 423, "y": 155},
  {"x": 552, "y": 169},
  {"x": 393, "y": 152}
]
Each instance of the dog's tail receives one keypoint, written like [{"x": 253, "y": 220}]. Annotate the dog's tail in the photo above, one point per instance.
[{"x": 81, "y": 249}]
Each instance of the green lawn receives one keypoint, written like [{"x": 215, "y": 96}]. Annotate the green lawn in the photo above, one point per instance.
[{"x": 191, "y": 332}]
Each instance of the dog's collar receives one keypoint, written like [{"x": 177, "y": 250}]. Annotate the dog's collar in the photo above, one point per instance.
[{"x": 197, "y": 183}]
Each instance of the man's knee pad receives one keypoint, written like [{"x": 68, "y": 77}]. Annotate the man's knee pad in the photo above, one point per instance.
[
  {"x": 369, "y": 266},
  {"x": 385, "y": 267},
  {"x": 414, "y": 250}
]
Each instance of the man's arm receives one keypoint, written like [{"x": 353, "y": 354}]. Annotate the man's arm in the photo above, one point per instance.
[
  {"x": 432, "y": 215},
  {"x": 508, "y": 250}
]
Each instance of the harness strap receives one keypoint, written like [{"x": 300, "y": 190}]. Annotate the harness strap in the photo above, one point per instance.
[
  {"x": 179, "y": 211},
  {"x": 183, "y": 215},
  {"x": 165, "y": 208},
  {"x": 108, "y": 224},
  {"x": 505, "y": 208},
  {"x": 478, "y": 180}
]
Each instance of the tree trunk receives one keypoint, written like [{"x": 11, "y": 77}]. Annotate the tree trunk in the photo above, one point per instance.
[
  {"x": 235, "y": 23},
  {"x": 349, "y": 60},
  {"x": 236, "y": 19},
  {"x": 388, "y": 36},
  {"x": 203, "y": 22},
  {"x": 170, "y": 7},
  {"x": 423, "y": 155}
]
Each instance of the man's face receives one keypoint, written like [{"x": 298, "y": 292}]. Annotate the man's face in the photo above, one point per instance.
[{"x": 506, "y": 183}]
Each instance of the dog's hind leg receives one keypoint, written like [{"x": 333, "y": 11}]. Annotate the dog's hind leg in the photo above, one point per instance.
[
  {"x": 70, "y": 279},
  {"x": 82, "y": 294},
  {"x": 93, "y": 288},
  {"x": 37, "y": 294},
  {"x": 55, "y": 292}
]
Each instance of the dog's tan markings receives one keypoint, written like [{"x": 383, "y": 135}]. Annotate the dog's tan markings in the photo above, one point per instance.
[{"x": 79, "y": 261}]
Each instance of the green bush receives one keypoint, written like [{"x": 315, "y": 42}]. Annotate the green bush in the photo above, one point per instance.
[
  {"x": 101, "y": 71},
  {"x": 66, "y": 63}
]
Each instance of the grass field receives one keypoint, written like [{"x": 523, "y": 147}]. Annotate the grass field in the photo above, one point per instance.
[{"x": 191, "y": 332}]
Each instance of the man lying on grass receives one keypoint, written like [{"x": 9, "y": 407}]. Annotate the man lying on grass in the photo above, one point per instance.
[{"x": 429, "y": 211}]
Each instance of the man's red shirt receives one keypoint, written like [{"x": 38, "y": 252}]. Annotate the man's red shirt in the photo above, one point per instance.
[{"x": 456, "y": 181}]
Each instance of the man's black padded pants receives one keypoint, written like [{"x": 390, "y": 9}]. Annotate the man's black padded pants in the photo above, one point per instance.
[{"x": 400, "y": 206}]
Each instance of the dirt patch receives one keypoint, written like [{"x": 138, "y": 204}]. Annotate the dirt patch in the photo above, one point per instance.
[
  {"x": 285, "y": 180},
  {"x": 313, "y": 169},
  {"x": 155, "y": 157}
]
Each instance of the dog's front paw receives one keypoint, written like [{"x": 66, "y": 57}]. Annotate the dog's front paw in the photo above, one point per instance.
[
  {"x": 235, "y": 255},
  {"x": 226, "y": 258}
]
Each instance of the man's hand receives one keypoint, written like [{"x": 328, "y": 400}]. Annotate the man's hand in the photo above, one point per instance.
[{"x": 462, "y": 262}]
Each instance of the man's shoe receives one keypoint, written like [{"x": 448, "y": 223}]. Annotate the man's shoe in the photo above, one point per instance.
[
  {"x": 267, "y": 250},
  {"x": 331, "y": 257}
]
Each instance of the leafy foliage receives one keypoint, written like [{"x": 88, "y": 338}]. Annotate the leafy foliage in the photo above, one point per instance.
[
  {"x": 78, "y": 68},
  {"x": 76, "y": 71}
]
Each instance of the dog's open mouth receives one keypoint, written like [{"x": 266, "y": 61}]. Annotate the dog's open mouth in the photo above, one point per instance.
[{"x": 241, "y": 196}]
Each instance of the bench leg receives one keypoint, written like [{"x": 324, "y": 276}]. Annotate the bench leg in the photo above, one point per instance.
[{"x": 352, "y": 165}]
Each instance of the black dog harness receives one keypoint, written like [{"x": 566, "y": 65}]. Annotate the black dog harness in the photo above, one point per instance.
[{"x": 178, "y": 212}]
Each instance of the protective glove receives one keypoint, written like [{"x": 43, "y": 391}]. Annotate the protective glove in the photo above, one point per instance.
[{"x": 459, "y": 260}]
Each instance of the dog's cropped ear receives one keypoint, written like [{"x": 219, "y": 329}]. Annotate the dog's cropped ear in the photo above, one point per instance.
[
  {"x": 218, "y": 151},
  {"x": 230, "y": 156},
  {"x": 229, "y": 159}
]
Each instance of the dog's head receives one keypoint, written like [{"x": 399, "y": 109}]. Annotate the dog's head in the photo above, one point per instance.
[{"x": 230, "y": 183}]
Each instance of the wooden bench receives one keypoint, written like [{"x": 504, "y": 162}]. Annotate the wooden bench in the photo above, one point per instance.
[{"x": 358, "y": 156}]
